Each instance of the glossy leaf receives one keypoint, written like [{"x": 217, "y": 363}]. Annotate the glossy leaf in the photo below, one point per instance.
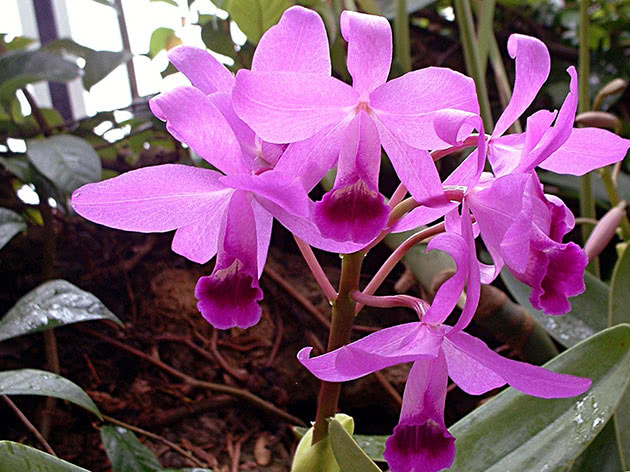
[
  {"x": 126, "y": 453},
  {"x": 570, "y": 185},
  {"x": 25, "y": 67},
  {"x": 98, "y": 64},
  {"x": 39, "y": 382},
  {"x": 67, "y": 161},
  {"x": 601, "y": 455},
  {"x": 587, "y": 315},
  {"x": 10, "y": 224},
  {"x": 254, "y": 17},
  {"x": 16, "y": 457},
  {"x": 215, "y": 34},
  {"x": 347, "y": 452},
  {"x": 514, "y": 431},
  {"x": 52, "y": 304},
  {"x": 620, "y": 313}
]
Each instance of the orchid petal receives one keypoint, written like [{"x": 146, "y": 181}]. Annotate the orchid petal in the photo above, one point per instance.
[
  {"x": 192, "y": 119},
  {"x": 297, "y": 43},
  {"x": 153, "y": 199},
  {"x": 406, "y": 105},
  {"x": 585, "y": 150},
  {"x": 387, "y": 347},
  {"x": 285, "y": 107},
  {"x": 369, "y": 40},
  {"x": 421, "y": 442},
  {"x": 264, "y": 224},
  {"x": 414, "y": 167},
  {"x": 203, "y": 70},
  {"x": 532, "y": 69},
  {"x": 282, "y": 189},
  {"x": 448, "y": 293},
  {"x": 354, "y": 209},
  {"x": 228, "y": 297},
  {"x": 524, "y": 377}
]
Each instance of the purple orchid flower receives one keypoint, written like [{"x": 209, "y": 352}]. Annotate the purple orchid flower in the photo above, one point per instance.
[
  {"x": 421, "y": 441},
  {"x": 213, "y": 212},
  {"x": 290, "y": 97}
]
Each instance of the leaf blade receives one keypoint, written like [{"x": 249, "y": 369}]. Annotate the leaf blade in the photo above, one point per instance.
[{"x": 15, "y": 456}]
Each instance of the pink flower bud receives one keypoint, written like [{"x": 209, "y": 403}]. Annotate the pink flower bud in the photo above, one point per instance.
[{"x": 604, "y": 231}]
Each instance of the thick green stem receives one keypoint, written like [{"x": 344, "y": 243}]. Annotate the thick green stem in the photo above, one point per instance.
[
  {"x": 341, "y": 326},
  {"x": 613, "y": 197},
  {"x": 587, "y": 202},
  {"x": 401, "y": 36},
  {"x": 464, "y": 17},
  {"x": 485, "y": 31}
]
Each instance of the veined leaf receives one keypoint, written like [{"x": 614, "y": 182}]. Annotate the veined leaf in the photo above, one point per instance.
[
  {"x": 254, "y": 17},
  {"x": 126, "y": 453},
  {"x": 10, "y": 224}
]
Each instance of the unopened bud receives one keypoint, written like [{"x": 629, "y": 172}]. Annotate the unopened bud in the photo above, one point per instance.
[
  {"x": 613, "y": 87},
  {"x": 598, "y": 119},
  {"x": 604, "y": 231}
]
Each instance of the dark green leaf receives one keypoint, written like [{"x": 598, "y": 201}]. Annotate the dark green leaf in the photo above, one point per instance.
[
  {"x": 66, "y": 160},
  {"x": 388, "y": 7},
  {"x": 571, "y": 185},
  {"x": 16, "y": 457},
  {"x": 215, "y": 34},
  {"x": 585, "y": 318},
  {"x": 126, "y": 453},
  {"x": 18, "y": 165},
  {"x": 620, "y": 313},
  {"x": 10, "y": 224},
  {"x": 514, "y": 431},
  {"x": 254, "y": 17},
  {"x": 25, "y": 67},
  {"x": 602, "y": 454},
  {"x": 347, "y": 452},
  {"x": 39, "y": 382},
  {"x": 98, "y": 64},
  {"x": 52, "y": 304}
]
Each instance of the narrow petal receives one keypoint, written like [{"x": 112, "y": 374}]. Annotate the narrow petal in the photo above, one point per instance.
[
  {"x": 387, "y": 347},
  {"x": 297, "y": 43},
  {"x": 198, "y": 241},
  {"x": 202, "y": 69},
  {"x": 524, "y": 377},
  {"x": 557, "y": 135},
  {"x": 585, "y": 150},
  {"x": 153, "y": 199},
  {"x": 414, "y": 167},
  {"x": 405, "y": 105},
  {"x": 228, "y": 297},
  {"x": 369, "y": 40},
  {"x": 421, "y": 442},
  {"x": 354, "y": 209},
  {"x": 421, "y": 216},
  {"x": 283, "y": 189},
  {"x": 310, "y": 159},
  {"x": 448, "y": 293},
  {"x": 285, "y": 107},
  {"x": 264, "y": 224},
  {"x": 192, "y": 119},
  {"x": 532, "y": 69}
]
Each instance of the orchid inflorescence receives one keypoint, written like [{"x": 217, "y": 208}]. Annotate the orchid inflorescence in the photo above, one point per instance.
[{"x": 274, "y": 131}]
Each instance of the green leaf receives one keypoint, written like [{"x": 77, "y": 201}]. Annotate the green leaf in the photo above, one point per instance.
[
  {"x": 372, "y": 445},
  {"x": 319, "y": 457},
  {"x": 254, "y": 17},
  {"x": 215, "y": 34},
  {"x": 388, "y": 7},
  {"x": 98, "y": 64},
  {"x": 585, "y": 318},
  {"x": 39, "y": 382},
  {"x": 619, "y": 312},
  {"x": 170, "y": 2},
  {"x": 161, "y": 39},
  {"x": 52, "y": 304},
  {"x": 126, "y": 453},
  {"x": 18, "y": 165},
  {"x": 67, "y": 161},
  {"x": 18, "y": 457},
  {"x": 514, "y": 431},
  {"x": 17, "y": 43},
  {"x": 571, "y": 185},
  {"x": 25, "y": 67},
  {"x": 601, "y": 455},
  {"x": 347, "y": 452},
  {"x": 10, "y": 224}
]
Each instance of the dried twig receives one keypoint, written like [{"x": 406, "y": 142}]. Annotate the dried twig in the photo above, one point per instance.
[{"x": 29, "y": 425}]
